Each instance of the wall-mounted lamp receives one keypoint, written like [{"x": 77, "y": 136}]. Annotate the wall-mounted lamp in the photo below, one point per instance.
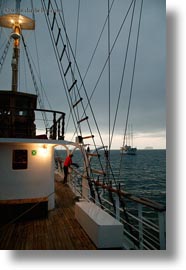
[{"x": 43, "y": 150}]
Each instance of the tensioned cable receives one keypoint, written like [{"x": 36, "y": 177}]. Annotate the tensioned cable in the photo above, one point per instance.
[
  {"x": 132, "y": 81},
  {"x": 37, "y": 56},
  {"x": 95, "y": 49},
  {"x": 81, "y": 82},
  {"x": 61, "y": 69},
  {"x": 4, "y": 55},
  {"x": 88, "y": 99},
  {"x": 24, "y": 64},
  {"x": 93, "y": 54},
  {"x": 75, "y": 52},
  {"x": 32, "y": 7},
  {"x": 123, "y": 73},
  {"x": 57, "y": 58},
  {"x": 38, "y": 75},
  {"x": 77, "y": 29},
  {"x": 83, "y": 86},
  {"x": 3, "y": 43},
  {"x": 102, "y": 73},
  {"x": 109, "y": 88},
  {"x": 113, "y": 45}
]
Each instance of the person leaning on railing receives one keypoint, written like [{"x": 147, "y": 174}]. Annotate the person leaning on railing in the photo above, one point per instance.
[{"x": 67, "y": 163}]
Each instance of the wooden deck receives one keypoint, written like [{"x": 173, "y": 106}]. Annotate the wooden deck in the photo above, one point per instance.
[{"x": 60, "y": 231}]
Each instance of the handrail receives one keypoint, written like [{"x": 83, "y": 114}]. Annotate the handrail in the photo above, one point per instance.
[
  {"x": 156, "y": 206},
  {"x": 143, "y": 233},
  {"x": 26, "y": 118}
]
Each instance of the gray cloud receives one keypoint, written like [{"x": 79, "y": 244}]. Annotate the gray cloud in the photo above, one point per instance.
[{"x": 148, "y": 108}]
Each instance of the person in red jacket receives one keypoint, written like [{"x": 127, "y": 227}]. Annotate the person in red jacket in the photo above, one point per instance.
[{"x": 66, "y": 165}]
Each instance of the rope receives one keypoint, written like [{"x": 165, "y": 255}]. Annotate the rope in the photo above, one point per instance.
[
  {"x": 84, "y": 111},
  {"x": 26, "y": 85},
  {"x": 123, "y": 73},
  {"x": 109, "y": 87},
  {"x": 35, "y": 84},
  {"x": 58, "y": 61},
  {"x": 3, "y": 57},
  {"x": 132, "y": 82},
  {"x": 94, "y": 89},
  {"x": 77, "y": 28},
  {"x": 95, "y": 49}
]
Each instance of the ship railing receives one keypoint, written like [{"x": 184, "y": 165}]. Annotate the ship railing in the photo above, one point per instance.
[
  {"x": 21, "y": 122},
  {"x": 143, "y": 220},
  {"x": 57, "y": 130}
]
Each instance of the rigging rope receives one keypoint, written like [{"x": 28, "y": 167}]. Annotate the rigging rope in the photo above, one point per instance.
[
  {"x": 62, "y": 70},
  {"x": 84, "y": 109},
  {"x": 26, "y": 85},
  {"x": 132, "y": 81},
  {"x": 95, "y": 49},
  {"x": 113, "y": 45},
  {"x": 35, "y": 85},
  {"x": 3, "y": 57},
  {"x": 109, "y": 87},
  {"x": 58, "y": 60},
  {"x": 123, "y": 72},
  {"x": 77, "y": 28},
  {"x": 82, "y": 84}
]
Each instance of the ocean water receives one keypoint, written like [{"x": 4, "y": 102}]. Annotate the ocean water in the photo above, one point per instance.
[{"x": 143, "y": 174}]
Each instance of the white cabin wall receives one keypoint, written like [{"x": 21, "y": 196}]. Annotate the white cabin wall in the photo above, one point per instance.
[{"x": 35, "y": 181}]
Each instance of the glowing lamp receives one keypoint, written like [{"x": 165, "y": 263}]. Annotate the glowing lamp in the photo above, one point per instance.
[
  {"x": 9, "y": 20},
  {"x": 43, "y": 150}
]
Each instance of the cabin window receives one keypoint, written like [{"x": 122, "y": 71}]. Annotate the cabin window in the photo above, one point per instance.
[{"x": 20, "y": 159}]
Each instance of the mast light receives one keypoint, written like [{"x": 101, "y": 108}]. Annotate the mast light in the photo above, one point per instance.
[{"x": 9, "y": 20}]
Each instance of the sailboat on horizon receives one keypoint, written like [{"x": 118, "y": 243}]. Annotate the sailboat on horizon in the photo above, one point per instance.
[{"x": 128, "y": 149}]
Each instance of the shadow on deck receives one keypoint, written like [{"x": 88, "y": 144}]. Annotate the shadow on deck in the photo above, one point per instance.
[{"x": 60, "y": 231}]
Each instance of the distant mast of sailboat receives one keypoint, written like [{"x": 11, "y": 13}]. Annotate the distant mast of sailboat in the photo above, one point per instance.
[{"x": 129, "y": 149}]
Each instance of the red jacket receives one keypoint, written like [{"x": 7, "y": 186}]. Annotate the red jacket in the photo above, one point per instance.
[{"x": 68, "y": 161}]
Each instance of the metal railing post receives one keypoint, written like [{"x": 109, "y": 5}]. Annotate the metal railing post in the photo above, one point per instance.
[
  {"x": 161, "y": 216},
  {"x": 140, "y": 225},
  {"x": 117, "y": 204}
]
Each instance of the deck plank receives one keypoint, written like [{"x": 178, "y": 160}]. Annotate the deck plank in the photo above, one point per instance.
[{"x": 60, "y": 231}]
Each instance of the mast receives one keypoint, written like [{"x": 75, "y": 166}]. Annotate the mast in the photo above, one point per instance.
[
  {"x": 15, "y": 57},
  {"x": 17, "y": 23}
]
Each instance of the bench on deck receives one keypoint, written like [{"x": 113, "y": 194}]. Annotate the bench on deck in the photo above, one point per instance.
[
  {"x": 105, "y": 231},
  {"x": 25, "y": 209}
]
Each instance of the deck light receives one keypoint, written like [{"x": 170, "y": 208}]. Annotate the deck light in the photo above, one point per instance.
[{"x": 43, "y": 150}]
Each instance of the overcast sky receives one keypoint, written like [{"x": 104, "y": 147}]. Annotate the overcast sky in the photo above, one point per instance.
[{"x": 148, "y": 104}]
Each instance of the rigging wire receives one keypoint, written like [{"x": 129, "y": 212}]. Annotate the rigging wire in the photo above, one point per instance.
[
  {"x": 75, "y": 53},
  {"x": 123, "y": 72},
  {"x": 88, "y": 99},
  {"x": 109, "y": 88},
  {"x": 132, "y": 82},
  {"x": 38, "y": 62},
  {"x": 35, "y": 85},
  {"x": 82, "y": 83},
  {"x": 77, "y": 29},
  {"x": 39, "y": 77},
  {"x": 25, "y": 75},
  {"x": 58, "y": 62},
  {"x": 63, "y": 15},
  {"x": 113, "y": 45},
  {"x": 5, "y": 52},
  {"x": 95, "y": 49},
  {"x": 64, "y": 79}
]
